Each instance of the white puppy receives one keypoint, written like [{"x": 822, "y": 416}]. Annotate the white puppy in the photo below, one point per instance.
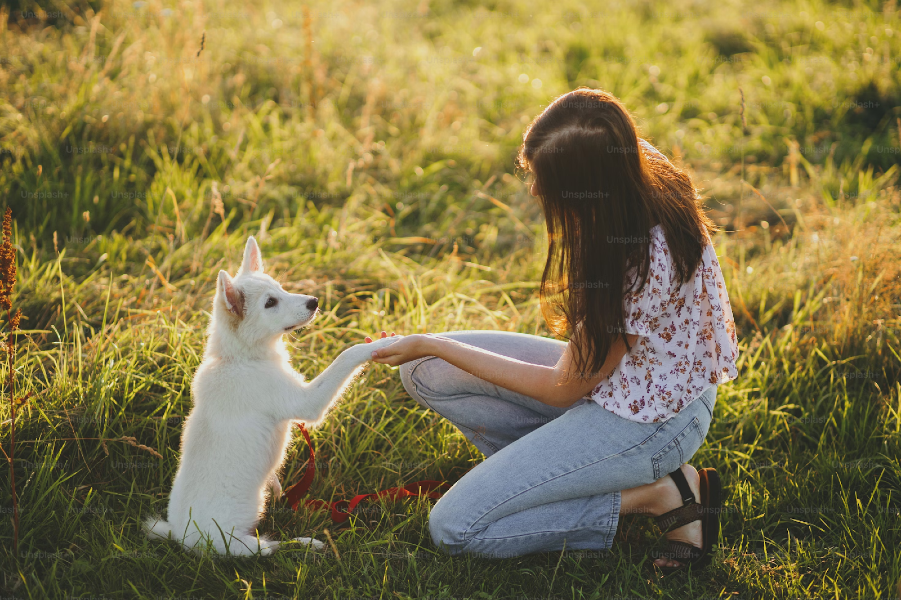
[{"x": 246, "y": 398}]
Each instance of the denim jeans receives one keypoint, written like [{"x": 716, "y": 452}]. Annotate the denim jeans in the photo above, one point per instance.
[{"x": 552, "y": 476}]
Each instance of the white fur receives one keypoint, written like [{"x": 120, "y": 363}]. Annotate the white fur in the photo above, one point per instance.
[{"x": 246, "y": 397}]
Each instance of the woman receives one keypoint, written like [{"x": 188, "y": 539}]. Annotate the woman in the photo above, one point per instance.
[{"x": 577, "y": 434}]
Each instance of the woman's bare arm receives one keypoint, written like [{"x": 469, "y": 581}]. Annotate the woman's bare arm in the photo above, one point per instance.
[{"x": 556, "y": 386}]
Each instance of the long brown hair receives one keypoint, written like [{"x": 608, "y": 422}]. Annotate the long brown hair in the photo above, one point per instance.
[{"x": 601, "y": 195}]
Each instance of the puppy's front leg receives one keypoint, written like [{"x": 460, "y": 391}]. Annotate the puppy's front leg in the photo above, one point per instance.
[{"x": 320, "y": 393}]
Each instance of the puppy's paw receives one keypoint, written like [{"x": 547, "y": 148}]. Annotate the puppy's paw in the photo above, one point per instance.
[
  {"x": 383, "y": 342},
  {"x": 268, "y": 548},
  {"x": 312, "y": 543}
]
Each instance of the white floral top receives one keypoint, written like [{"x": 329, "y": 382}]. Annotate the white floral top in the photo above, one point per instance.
[{"x": 686, "y": 340}]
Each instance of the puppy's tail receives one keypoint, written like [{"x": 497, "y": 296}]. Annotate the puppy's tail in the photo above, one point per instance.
[{"x": 157, "y": 529}]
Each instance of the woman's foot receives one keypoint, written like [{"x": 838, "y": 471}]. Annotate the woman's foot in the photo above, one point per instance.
[{"x": 660, "y": 497}]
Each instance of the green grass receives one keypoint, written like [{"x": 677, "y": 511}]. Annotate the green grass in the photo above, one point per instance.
[{"x": 118, "y": 143}]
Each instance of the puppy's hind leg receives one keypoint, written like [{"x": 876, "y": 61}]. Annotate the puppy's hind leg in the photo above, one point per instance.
[
  {"x": 224, "y": 541},
  {"x": 156, "y": 529},
  {"x": 275, "y": 487},
  {"x": 248, "y": 545},
  {"x": 313, "y": 543},
  {"x": 263, "y": 547},
  {"x": 245, "y": 545}
]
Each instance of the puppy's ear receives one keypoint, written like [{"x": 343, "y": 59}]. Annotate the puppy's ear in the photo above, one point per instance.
[
  {"x": 234, "y": 299},
  {"x": 253, "y": 258}
]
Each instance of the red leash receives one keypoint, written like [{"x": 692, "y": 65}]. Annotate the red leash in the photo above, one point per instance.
[{"x": 342, "y": 509}]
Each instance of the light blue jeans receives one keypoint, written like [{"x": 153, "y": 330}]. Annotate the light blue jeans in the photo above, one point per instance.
[{"x": 552, "y": 476}]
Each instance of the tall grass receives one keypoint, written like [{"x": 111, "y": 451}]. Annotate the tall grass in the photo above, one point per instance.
[{"x": 370, "y": 150}]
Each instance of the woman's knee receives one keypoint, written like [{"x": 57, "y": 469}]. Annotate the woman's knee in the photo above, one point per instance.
[
  {"x": 411, "y": 376},
  {"x": 447, "y": 528},
  {"x": 429, "y": 379},
  {"x": 406, "y": 374}
]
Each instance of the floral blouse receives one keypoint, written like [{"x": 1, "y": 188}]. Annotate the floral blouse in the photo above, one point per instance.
[{"x": 686, "y": 341}]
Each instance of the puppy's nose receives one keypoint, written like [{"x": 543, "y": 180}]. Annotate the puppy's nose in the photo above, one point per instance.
[{"x": 312, "y": 304}]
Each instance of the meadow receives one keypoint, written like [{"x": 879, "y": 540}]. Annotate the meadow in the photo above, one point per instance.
[{"x": 370, "y": 149}]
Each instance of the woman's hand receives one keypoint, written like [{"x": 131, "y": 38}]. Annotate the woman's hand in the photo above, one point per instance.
[
  {"x": 402, "y": 351},
  {"x": 381, "y": 337}
]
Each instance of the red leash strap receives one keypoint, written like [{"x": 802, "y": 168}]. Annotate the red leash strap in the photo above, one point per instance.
[
  {"x": 294, "y": 493},
  {"x": 342, "y": 509}
]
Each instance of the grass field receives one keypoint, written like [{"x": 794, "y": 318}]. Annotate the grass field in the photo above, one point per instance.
[{"x": 369, "y": 147}]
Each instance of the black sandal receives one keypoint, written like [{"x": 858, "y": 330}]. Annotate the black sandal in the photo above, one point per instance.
[{"x": 708, "y": 512}]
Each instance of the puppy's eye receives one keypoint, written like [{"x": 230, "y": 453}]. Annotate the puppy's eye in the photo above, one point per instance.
[{"x": 271, "y": 302}]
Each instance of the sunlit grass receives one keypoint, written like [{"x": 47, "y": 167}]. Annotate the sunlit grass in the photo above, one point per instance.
[{"x": 378, "y": 200}]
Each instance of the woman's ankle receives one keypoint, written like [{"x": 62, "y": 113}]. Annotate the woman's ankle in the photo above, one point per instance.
[
  {"x": 668, "y": 496},
  {"x": 656, "y": 498},
  {"x": 642, "y": 500}
]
